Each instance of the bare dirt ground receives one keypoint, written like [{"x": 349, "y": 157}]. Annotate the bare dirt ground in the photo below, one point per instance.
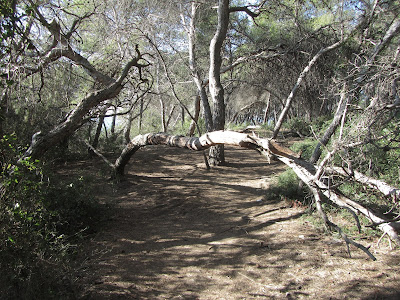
[{"x": 179, "y": 231}]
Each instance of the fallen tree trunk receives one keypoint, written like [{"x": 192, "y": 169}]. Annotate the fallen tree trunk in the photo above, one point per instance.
[
  {"x": 303, "y": 169},
  {"x": 192, "y": 143},
  {"x": 308, "y": 178}
]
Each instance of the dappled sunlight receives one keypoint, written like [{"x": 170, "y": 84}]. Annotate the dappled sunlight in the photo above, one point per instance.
[{"x": 180, "y": 230}]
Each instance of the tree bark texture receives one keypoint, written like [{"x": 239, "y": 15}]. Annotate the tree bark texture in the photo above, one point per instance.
[
  {"x": 196, "y": 115},
  {"x": 128, "y": 126},
  {"x": 216, "y": 89},
  {"x": 96, "y": 137},
  {"x": 216, "y": 155}
]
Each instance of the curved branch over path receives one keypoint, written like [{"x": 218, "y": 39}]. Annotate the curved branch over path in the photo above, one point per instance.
[
  {"x": 303, "y": 169},
  {"x": 42, "y": 142}
]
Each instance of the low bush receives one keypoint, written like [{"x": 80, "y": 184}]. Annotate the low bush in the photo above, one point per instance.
[
  {"x": 42, "y": 219},
  {"x": 286, "y": 186},
  {"x": 306, "y": 147},
  {"x": 299, "y": 126}
]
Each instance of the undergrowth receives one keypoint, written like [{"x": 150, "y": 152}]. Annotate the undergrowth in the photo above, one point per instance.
[
  {"x": 286, "y": 187},
  {"x": 43, "y": 219}
]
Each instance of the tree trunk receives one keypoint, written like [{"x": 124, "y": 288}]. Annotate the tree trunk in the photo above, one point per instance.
[
  {"x": 332, "y": 127},
  {"x": 140, "y": 120},
  {"x": 113, "y": 122},
  {"x": 195, "y": 70},
  {"x": 302, "y": 75},
  {"x": 265, "y": 120},
  {"x": 183, "y": 116},
  {"x": 216, "y": 155},
  {"x": 379, "y": 185},
  {"x": 162, "y": 113},
  {"x": 309, "y": 179},
  {"x": 196, "y": 115},
  {"x": 96, "y": 137},
  {"x": 42, "y": 142},
  {"x": 170, "y": 114},
  {"x": 128, "y": 126}
]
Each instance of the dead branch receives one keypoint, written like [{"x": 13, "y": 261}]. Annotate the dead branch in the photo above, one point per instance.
[
  {"x": 379, "y": 185},
  {"x": 95, "y": 151}
]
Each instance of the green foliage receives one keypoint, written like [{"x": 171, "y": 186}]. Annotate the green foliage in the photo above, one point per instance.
[
  {"x": 298, "y": 125},
  {"x": 286, "y": 187},
  {"x": 183, "y": 129},
  {"x": 306, "y": 147},
  {"x": 7, "y": 23},
  {"x": 288, "y": 182},
  {"x": 321, "y": 124},
  {"x": 41, "y": 220}
]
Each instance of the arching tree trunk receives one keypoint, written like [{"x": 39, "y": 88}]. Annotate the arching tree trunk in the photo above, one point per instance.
[
  {"x": 42, "y": 142},
  {"x": 306, "y": 171},
  {"x": 332, "y": 127},
  {"x": 300, "y": 79}
]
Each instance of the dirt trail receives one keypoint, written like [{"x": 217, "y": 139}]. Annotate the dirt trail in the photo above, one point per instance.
[{"x": 182, "y": 232}]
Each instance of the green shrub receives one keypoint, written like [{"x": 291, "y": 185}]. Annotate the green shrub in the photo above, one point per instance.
[
  {"x": 182, "y": 129},
  {"x": 306, "y": 146},
  {"x": 286, "y": 186},
  {"x": 41, "y": 220},
  {"x": 298, "y": 125}
]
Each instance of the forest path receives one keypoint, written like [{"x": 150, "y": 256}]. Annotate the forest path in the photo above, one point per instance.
[{"x": 181, "y": 232}]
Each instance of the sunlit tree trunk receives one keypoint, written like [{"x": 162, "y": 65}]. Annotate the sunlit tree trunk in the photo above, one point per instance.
[{"x": 216, "y": 155}]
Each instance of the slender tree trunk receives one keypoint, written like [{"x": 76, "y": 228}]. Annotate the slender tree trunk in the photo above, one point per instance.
[
  {"x": 216, "y": 155},
  {"x": 113, "y": 134},
  {"x": 195, "y": 70},
  {"x": 95, "y": 141},
  {"x": 140, "y": 115},
  {"x": 127, "y": 132},
  {"x": 300, "y": 79},
  {"x": 265, "y": 120},
  {"x": 168, "y": 120},
  {"x": 196, "y": 115},
  {"x": 332, "y": 127},
  {"x": 183, "y": 116},
  {"x": 114, "y": 121},
  {"x": 162, "y": 113}
]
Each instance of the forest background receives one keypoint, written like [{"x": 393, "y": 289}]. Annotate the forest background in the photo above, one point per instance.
[{"x": 83, "y": 77}]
